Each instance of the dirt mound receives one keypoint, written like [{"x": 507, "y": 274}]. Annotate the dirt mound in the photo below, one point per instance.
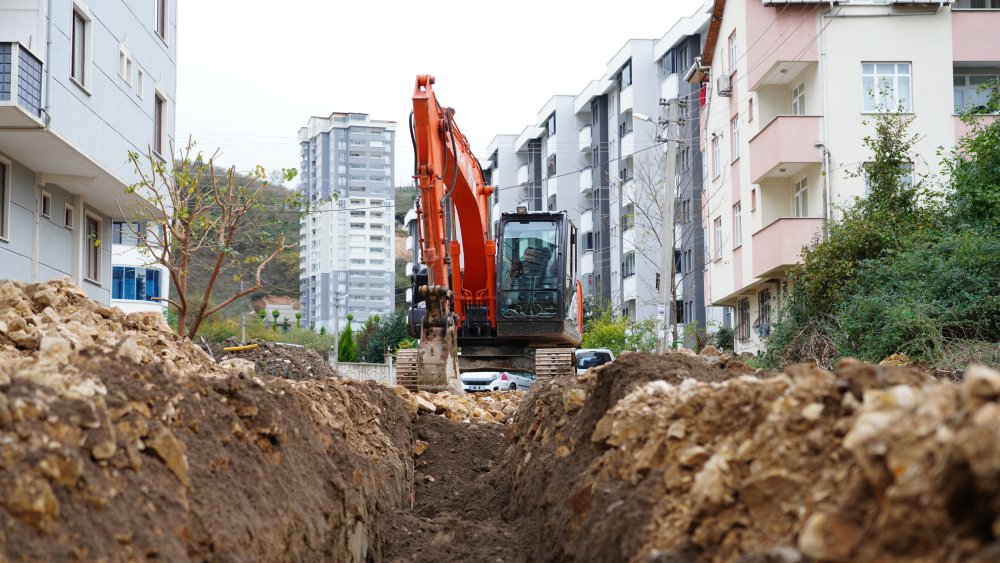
[
  {"x": 120, "y": 441},
  {"x": 273, "y": 359},
  {"x": 674, "y": 458}
]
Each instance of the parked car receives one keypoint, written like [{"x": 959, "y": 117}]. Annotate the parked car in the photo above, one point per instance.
[
  {"x": 587, "y": 358},
  {"x": 473, "y": 381}
]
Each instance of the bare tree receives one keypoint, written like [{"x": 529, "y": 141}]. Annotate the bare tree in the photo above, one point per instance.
[
  {"x": 645, "y": 197},
  {"x": 188, "y": 215}
]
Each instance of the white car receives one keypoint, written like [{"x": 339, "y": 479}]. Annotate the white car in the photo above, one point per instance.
[
  {"x": 473, "y": 381},
  {"x": 587, "y": 358}
]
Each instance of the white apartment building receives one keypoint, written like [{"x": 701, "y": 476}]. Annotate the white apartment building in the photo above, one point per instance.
[
  {"x": 81, "y": 84},
  {"x": 790, "y": 89},
  {"x": 347, "y": 254},
  {"x": 500, "y": 171}
]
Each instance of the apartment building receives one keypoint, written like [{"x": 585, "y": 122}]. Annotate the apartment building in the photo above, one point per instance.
[
  {"x": 81, "y": 84},
  {"x": 790, "y": 88},
  {"x": 500, "y": 171},
  {"x": 347, "y": 255}
]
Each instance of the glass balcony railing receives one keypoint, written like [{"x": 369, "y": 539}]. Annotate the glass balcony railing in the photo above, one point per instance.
[{"x": 20, "y": 78}]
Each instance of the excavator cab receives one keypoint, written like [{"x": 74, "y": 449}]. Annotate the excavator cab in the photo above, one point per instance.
[{"x": 536, "y": 269}]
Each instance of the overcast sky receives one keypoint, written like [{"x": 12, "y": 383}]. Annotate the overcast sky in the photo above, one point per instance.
[{"x": 250, "y": 72}]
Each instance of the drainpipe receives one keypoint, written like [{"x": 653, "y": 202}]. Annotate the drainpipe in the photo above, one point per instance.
[
  {"x": 823, "y": 144},
  {"x": 36, "y": 226},
  {"x": 48, "y": 62}
]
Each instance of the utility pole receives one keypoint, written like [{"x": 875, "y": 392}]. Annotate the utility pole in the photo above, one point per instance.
[
  {"x": 336, "y": 329},
  {"x": 667, "y": 238}
]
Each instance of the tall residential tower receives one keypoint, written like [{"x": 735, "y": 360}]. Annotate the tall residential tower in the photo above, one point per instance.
[{"x": 347, "y": 257}]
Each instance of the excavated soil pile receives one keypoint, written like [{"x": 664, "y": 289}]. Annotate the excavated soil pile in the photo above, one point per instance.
[
  {"x": 120, "y": 441},
  {"x": 494, "y": 406},
  {"x": 272, "y": 359},
  {"x": 673, "y": 458}
]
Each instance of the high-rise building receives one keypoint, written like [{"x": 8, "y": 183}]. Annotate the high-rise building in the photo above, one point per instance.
[
  {"x": 792, "y": 93},
  {"x": 347, "y": 252},
  {"x": 81, "y": 85}
]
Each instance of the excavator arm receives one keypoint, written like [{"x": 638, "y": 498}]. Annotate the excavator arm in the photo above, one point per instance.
[{"x": 451, "y": 191}]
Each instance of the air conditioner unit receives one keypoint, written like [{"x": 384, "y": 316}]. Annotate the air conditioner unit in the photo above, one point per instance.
[{"x": 724, "y": 85}]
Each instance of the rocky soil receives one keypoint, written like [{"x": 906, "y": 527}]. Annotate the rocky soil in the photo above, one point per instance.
[
  {"x": 121, "y": 441},
  {"x": 271, "y": 359}
]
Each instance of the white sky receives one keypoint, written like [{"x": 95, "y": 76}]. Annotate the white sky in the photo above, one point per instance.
[{"x": 250, "y": 72}]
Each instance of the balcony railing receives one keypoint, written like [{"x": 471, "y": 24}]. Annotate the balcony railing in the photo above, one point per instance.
[
  {"x": 522, "y": 174},
  {"x": 20, "y": 78},
  {"x": 585, "y": 139},
  {"x": 779, "y": 245},
  {"x": 586, "y": 179},
  {"x": 783, "y": 146}
]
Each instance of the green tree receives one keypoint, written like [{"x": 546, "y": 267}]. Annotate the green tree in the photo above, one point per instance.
[
  {"x": 617, "y": 333},
  {"x": 192, "y": 213},
  {"x": 298, "y": 319},
  {"x": 274, "y": 325},
  {"x": 347, "y": 350}
]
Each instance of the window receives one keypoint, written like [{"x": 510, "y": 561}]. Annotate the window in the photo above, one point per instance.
[
  {"x": 628, "y": 217},
  {"x": 682, "y": 58},
  {"x": 139, "y": 76},
  {"x": 126, "y": 233},
  {"x": 976, "y": 5},
  {"x": 4, "y": 198},
  {"x": 627, "y": 124},
  {"x": 972, "y": 92},
  {"x": 161, "y": 19},
  {"x": 46, "y": 205},
  {"x": 905, "y": 176},
  {"x": 588, "y": 241},
  {"x": 689, "y": 261},
  {"x": 732, "y": 53},
  {"x": 625, "y": 76},
  {"x": 886, "y": 87},
  {"x": 750, "y": 110},
  {"x": 737, "y": 225},
  {"x": 68, "y": 216},
  {"x": 628, "y": 264},
  {"x": 800, "y": 198},
  {"x": 158, "y": 115},
  {"x": 550, "y": 166},
  {"x": 550, "y": 124},
  {"x": 686, "y": 211},
  {"x": 124, "y": 65},
  {"x": 685, "y": 159},
  {"x": 734, "y": 128},
  {"x": 753, "y": 199},
  {"x": 799, "y": 99},
  {"x": 92, "y": 243},
  {"x": 718, "y": 237},
  {"x": 78, "y": 49},
  {"x": 134, "y": 283},
  {"x": 743, "y": 319},
  {"x": 764, "y": 312},
  {"x": 716, "y": 157}
]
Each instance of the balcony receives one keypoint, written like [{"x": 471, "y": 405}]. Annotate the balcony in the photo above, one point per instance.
[
  {"x": 629, "y": 290},
  {"x": 586, "y": 180},
  {"x": 784, "y": 42},
  {"x": 522, "y": 174},
  {"x": 20, "y": 87},
  {"x": 586, "y": 139},
  {"x": 961, "y": 129},
  {"x": 587, "y": 221},
  {"x": 973, "y": 35},
  {"x": 784, "y": 146},
  {"x": 587, "y": 263},
  {"x": 779, "y": 245}
]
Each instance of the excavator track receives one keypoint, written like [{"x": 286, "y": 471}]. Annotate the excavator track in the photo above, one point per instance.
[
  {"x": 406, "y": 368},
  {"x": 554, "y": 362}
]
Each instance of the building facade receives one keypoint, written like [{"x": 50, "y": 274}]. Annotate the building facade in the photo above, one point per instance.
[
  {"x": 81, "y": 85},
  {"x": 347, "y": 255},
  {"x": 792, "y": 95}
]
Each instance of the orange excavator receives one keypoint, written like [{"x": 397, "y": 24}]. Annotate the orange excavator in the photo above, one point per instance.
[{"x": 506, "y": 303}]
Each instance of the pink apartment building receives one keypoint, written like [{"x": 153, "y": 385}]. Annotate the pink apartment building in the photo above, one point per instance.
[{"x": 789, "y": 88}]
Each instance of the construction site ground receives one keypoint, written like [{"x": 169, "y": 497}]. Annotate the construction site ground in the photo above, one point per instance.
[{"x": 120, "y": 441}]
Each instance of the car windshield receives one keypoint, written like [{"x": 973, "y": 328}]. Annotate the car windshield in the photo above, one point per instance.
[{"x": 585, "y": 359}]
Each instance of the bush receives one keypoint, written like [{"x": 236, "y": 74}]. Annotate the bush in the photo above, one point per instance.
[{"x": 724, "y": 338}]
